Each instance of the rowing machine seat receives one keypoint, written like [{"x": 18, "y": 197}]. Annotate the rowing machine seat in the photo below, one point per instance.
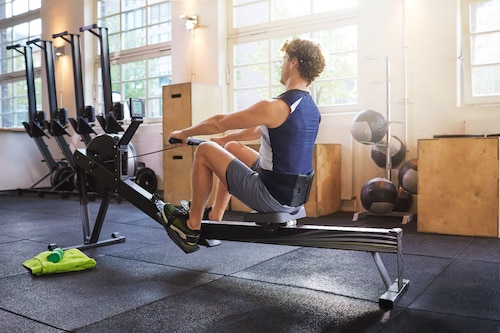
[{"x": 275, "y": 217}]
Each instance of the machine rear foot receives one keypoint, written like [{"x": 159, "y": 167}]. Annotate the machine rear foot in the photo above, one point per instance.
[{"x": 209, "y": 242}]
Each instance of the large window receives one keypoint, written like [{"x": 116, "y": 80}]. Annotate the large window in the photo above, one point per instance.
[
  {"x": 255, "y": 56},
  {"x": 481, "y": 51},
  {"x": 254, "y": 12},
  {"x": 143, "y": 79},
  {"x": 140, "y": 34},
  {"x": 19, "y": 22}
]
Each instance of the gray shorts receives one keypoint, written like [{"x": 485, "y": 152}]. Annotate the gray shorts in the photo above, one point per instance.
[{"x": 245, "y": 184}]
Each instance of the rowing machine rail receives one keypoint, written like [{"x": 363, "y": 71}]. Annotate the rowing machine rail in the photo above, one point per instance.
[{"x": 373, "y": 240}]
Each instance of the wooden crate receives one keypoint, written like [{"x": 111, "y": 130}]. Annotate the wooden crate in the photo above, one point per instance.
[
  {"x": 177, "y": 174},
  {"x": 458, "y": 186},
  {"x": 184, "y": 104},
  {"x": 324, "y": 198}
]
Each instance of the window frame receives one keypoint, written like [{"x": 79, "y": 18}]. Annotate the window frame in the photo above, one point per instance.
[
  {"x": 11, "y": 78},
  {"x": 465, "y": 62}
]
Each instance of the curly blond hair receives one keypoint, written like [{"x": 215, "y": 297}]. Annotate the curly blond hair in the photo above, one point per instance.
[{"x": 309, "y": 55}]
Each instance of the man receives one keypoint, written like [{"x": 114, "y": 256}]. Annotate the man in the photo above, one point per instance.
[{"x": 267, "y": 181}]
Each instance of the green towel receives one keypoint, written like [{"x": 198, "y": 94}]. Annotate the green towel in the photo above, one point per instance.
[{"x": 72, "y": 260}]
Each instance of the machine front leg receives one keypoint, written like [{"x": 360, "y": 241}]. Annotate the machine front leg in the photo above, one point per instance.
[{"x": 81, "y": 179}]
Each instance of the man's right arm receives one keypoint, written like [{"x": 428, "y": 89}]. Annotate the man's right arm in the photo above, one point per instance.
[
  {"x": 246, "y": 134},
  {"x": 270, "y": 113}
]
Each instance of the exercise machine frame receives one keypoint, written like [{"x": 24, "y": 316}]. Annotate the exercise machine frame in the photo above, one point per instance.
[
  {"x": 258, "y": 229},
  {"x": 85, "y": 115},
  {"x": 36, "y": 128},
  {"x": 107, "y": 120},
  {"x": 58, "y": 118}
]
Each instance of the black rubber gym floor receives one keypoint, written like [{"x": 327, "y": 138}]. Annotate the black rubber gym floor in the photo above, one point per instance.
[{"x": 147, "y": 284}]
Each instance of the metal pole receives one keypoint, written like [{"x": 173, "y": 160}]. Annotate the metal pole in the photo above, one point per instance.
[{"x": 388, "y": 105}]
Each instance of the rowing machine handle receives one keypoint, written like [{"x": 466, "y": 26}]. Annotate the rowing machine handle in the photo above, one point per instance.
[{"x": 191, "y": 141}]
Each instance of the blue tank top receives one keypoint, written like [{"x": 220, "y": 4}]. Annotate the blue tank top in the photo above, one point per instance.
[
  {"x": 289, "y": 147},
  {"x": 286, "y": 151}
]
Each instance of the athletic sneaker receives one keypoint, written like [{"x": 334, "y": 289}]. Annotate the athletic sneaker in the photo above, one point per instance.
[
  {"x": 177, "y": 229},
  {"x": 206, "y": 212},
  {"x": 186, "y": 205}
]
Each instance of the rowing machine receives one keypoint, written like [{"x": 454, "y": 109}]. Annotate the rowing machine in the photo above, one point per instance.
[
  {"x": 61, "y": 174},
  {"x": 64, "y": 175},
  {"x": 105, "y": 166}
]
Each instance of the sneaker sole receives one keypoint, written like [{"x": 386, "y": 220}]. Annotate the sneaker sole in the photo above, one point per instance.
[{"x": 183, "y": 246}]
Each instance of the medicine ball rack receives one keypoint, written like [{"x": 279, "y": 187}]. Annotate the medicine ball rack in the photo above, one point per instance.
[{"x": 406, "y": 217}]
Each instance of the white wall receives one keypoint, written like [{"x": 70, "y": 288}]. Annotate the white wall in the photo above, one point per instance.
[{"x": 431, "y": 94}]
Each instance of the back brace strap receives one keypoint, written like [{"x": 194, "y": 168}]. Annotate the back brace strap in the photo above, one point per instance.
[{"x": 288, "y": 189}]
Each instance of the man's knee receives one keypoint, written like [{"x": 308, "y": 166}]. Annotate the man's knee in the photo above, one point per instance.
[
  {"x": 206, "y": 148},
  {"x": 214, "y": 157},
  {"x": 210, "y": 152}
]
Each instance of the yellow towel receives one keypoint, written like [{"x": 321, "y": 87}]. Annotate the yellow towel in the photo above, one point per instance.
[{"x": 72, "y": 260}]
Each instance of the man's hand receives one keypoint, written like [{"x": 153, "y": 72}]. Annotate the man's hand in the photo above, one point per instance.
[{"x": 179, "y": 139}]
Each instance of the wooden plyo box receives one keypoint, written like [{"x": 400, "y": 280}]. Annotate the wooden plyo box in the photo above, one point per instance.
[
  {"x": 184, "y": 104},
  {"x": 324, "y": 198},
  {"x": 458, "y": 186}
]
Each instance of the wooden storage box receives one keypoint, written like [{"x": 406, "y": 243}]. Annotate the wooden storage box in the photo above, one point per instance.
[
  {"x": 324, "y": 198},
  {"x": 184, "y": 104},
  {"x": 458, "y": 186}
]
